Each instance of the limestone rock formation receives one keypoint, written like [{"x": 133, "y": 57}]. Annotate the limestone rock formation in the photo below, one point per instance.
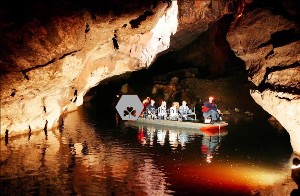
[
  {"x": 286, "y": 108},
  {"x": 52, "y": 53},
  {"x": 60, "y": 62},
  {"x": 195, "y": 17},
  {"x": 270, "y": 46}
]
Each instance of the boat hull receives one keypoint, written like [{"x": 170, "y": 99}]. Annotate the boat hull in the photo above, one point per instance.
[{"x": 178, "y": 124}]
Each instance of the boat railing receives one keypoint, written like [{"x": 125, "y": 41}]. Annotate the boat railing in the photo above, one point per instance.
[{"x": 167, "y": 114}]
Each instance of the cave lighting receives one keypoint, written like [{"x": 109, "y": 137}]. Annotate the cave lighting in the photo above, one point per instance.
[
  {"x": 295, "y": 166},
  {"x": 265, "y": 177},
  {"x": 255, "y": 176}
]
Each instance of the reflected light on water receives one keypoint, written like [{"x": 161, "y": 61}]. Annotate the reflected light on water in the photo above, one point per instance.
[
  {"x": 83, "y": 159},
  {"x": 219, "y": 177},
  {"x": 219, "y": 174}
]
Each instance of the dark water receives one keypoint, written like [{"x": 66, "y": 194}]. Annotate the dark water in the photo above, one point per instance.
[{"x": 89, "y": 156}]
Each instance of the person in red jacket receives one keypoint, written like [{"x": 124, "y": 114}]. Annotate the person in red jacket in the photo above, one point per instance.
[
  {"x": 211, "y": 109},
  {"x": 146, "y": 102}
]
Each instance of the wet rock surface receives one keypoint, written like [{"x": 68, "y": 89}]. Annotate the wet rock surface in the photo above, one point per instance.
[
  {"x": 51, "y": 73},
  {"x": 52, "y": 53},
  {"x": 269, "y": 44},
  {"x": 50, "y": 59}
]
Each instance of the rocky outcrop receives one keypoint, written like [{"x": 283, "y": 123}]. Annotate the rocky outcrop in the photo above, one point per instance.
[
  {"x": 52, "y": 53},
  {"x": 64, "y": 59},
  {"x": 195, "y": 18},
  {"x": 286, "y": 108},
  {"x": 270, "y": 46}
]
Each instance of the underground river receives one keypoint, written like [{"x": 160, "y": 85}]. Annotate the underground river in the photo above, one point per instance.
[
  {"x": 59, "y": 55},
  {"x": 89, "y": 155}
]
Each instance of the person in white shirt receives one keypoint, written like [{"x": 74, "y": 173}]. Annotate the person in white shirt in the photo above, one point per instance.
[
  {"x": 184, "y": 110},
  {"x": 162, "y": 111},
  {"x": 174, "y": 111}
]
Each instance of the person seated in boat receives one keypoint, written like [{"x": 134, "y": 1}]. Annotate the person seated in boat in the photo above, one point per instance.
[
  {"x": 174, "y": 111},
  {"x": 145, "y": 102},
  {"x": 210, "y": 109},
  {"x": 183, "y": 111},
  {"x": 151, "y": 111},
  {"x": 162, "y": 110}
]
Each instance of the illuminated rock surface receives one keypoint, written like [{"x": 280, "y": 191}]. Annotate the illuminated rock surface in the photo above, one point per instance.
[
  {"x": 51, "y": 57},
  {"x": 52, "y": 54},
  {"x": 270, "y": 46},
  {"x": 54, "y": 69}
]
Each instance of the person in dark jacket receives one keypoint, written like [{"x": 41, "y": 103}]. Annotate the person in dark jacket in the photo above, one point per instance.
[
  {"x": 211, "y": 109},
  {"x": 151, "y": 110}
]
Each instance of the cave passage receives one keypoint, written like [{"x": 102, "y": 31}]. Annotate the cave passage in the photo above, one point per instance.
[
  {"x": 94, "y": 152},
  {"x": 250, "y": 152}
]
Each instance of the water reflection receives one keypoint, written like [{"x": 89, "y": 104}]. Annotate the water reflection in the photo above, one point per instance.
[
  {"x": 177, "y": 139},
  {"x": 209, "y": 147},
  {"x": 86, "y": 158},
  {"x": 79, "y": 161},
  {"x": 150, "y": 135}
]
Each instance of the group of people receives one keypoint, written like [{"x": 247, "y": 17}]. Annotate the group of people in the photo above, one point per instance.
[
  {"x": 176, "y": 111},
  {"x": 173, "y": 113}
]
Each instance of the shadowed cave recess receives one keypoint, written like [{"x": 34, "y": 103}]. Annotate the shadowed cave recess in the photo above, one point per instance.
[
  {"x": 56, "y": 55},
  {"x": 208, "y": 65}
]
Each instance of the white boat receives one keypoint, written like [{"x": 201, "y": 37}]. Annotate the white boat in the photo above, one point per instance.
[{"x": 180, "y": 124}]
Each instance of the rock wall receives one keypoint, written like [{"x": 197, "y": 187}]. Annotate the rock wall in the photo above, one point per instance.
[
  {"x": 196, "y": 16},
  {"x": 52, "y": 53},
  {"x": 64, "y": 59},
  {"x": 270, "y": 46}
]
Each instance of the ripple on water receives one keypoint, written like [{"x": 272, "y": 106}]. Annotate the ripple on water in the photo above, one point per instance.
[{"x": 84, "y": 159}]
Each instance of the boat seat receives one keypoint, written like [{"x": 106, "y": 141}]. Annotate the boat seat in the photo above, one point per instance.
[
  {"x": 173, "y": 117},
  {"x": 207, "y": 119},
  {"x": 193, "y": 113},
  {"x": 152, "y": 116}
]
